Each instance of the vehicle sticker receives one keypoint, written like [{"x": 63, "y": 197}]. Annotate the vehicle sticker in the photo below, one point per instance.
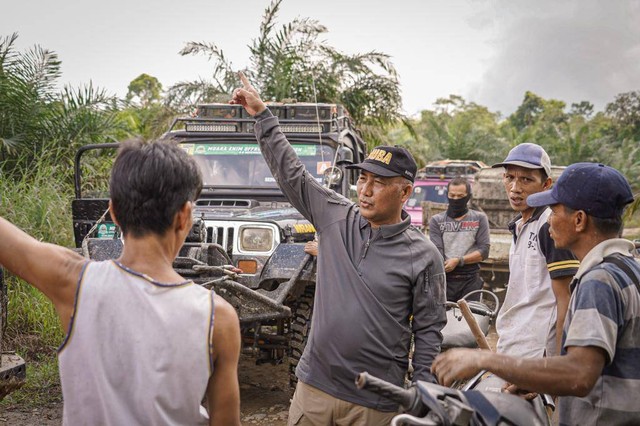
[
  {"x": 417, "y": 189},
  {"x": 321, "y": 166},
  {"x": 302, "y": 150},
  {"x": 106, "y": 230}
]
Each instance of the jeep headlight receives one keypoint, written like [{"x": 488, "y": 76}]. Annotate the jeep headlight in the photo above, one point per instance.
[{"x": 256, "y": 239}]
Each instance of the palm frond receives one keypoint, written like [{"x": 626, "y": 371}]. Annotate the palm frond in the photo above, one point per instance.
[{"x": 7, "y": 52}]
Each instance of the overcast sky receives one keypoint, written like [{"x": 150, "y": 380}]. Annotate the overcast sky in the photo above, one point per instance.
[{"x": 489, "y": 52}]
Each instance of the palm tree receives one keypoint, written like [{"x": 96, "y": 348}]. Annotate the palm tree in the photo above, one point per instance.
[
  {"x": 35, "y": 117},
  {"x": 293, "y": 63}
]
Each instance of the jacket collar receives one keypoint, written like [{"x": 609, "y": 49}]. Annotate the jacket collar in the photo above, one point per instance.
[{"x": 392, "y": 230}]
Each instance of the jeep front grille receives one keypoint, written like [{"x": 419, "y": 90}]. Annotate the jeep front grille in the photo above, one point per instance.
[{"x": 223, "y": 236}]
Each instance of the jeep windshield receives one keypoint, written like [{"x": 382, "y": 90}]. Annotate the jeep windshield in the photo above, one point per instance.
[{"x": 242, "y": 165}]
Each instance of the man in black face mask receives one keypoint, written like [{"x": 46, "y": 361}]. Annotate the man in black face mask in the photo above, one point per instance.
[{"x": 462, "y": 236}]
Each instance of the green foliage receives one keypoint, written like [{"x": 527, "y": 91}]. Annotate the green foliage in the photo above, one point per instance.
[
  {"x": 148, "y": 122},
  {"x": 144, "y": 90},
  {"x": 625, "y": 113},
  {"x": 458, "y": 129},
  {"x": 292, "y": 62},
  {"x": 455, "y": 129},
  {"x": 37, "y": 119},
  {"x": 38, "y": 201}
]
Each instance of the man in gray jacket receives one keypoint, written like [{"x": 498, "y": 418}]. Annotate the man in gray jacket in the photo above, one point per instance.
[{"x": 375, "y": 271}]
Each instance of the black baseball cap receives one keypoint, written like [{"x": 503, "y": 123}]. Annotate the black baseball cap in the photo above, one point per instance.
[
  {"x": 389, "y": 161},
  {"x": 600, "y": 191}
]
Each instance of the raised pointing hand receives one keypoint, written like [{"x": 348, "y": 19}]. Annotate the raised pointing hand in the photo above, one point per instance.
[{"x": 247, "y": 96}]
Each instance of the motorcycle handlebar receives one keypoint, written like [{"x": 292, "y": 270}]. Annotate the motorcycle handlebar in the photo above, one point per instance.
[
  {"x": 474, "y": 308},
  {"x": 407, "y": 398}
]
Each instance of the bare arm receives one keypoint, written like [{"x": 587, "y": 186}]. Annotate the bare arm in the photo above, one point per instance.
[
  {"x": 469, "y": 258},
  {"x": 52, "y": 269},
  {"x": 573, "y": 374},
  {"x": 223, "y": 391},
  {"x": 563, "y": 294},
  {"x": 473, "y": 257}
]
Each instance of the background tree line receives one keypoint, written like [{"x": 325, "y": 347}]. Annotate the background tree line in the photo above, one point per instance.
[{"x": 458, "y": 129}]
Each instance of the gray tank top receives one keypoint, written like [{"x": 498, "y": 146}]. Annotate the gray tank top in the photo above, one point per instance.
[{"x": 137, "y": 351}]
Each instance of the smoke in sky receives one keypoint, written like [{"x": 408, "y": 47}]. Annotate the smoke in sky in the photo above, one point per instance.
[{"x": 571, "y": 50}]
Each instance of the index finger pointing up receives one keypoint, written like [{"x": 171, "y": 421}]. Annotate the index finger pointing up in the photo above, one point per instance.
[{"x": 243, "y": 78}]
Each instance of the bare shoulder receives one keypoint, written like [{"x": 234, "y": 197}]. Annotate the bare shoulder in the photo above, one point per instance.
[
  {"x": 226, "y": 331},
  {"x": 225, "y": 316}
]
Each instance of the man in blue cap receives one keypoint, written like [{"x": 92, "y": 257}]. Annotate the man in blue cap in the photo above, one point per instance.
[{"x": 597, "y": 374}]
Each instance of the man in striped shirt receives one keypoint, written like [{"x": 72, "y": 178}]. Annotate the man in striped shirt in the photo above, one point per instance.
[{"x": 597, "y": 374}]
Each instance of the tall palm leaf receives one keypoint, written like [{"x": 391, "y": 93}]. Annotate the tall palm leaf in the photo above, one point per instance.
[{"x": 291, "y": 61}]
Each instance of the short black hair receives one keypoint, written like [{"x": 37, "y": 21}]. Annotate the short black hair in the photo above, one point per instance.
[
  {"x": 150, "y": 182},
  {"x": 608, "y": 226},
  {"x": 459, "y": 180},
  {"x": 543, "y": 175}
]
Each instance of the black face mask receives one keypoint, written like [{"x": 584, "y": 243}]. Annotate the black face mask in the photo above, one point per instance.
[{"x": 458, "y": 207}]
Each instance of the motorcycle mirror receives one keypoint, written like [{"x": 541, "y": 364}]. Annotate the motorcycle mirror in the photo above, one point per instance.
[{"x": 332, "y": 176}]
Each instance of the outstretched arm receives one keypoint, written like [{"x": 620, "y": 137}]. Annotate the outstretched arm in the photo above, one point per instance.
[
  {"x": 223, "y": 391},
  {"x": 318, "y": 204},
  {"x": 52, "y": 269},
  {"x": 573, "y": 374}
]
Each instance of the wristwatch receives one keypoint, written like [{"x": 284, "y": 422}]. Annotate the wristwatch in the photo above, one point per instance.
[{"x": 461, "y": 261}]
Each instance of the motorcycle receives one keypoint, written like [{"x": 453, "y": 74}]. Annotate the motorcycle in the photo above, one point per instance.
[
  {"x": 429, "y": 404},
  {"x": 478, "y": 318}
]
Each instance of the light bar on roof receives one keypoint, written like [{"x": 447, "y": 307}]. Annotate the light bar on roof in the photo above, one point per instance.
[
  {"x": 210, "y": 127},
  {"x": 301, "y": 128}
]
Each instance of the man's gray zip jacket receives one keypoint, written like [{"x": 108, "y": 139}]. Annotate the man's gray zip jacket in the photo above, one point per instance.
[{"x": 369, "y": 284}]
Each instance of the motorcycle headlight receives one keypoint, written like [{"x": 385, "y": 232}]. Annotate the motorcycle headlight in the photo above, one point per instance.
[{"x": 256, "y": 239}]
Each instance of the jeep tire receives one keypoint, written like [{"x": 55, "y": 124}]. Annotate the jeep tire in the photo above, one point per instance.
[{"x": 301, "y": 313}]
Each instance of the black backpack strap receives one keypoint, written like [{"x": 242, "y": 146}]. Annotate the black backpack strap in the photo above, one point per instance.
[{"x": 616, "y": 260}]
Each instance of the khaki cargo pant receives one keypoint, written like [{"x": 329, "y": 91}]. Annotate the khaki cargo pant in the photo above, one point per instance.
[{"x": 312, "y": 407}]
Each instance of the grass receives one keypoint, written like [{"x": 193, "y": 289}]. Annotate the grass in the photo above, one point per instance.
[{"x": 39, "y": 202}]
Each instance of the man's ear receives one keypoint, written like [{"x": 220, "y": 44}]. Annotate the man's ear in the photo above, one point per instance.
[
  {"x": 580, "y": 221},
  {"x": 183, "y": 218},
  {"x": 547, "y": 183},
  {"x": 113, "y": 214},
  {"x": 406, "y": 192}
]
